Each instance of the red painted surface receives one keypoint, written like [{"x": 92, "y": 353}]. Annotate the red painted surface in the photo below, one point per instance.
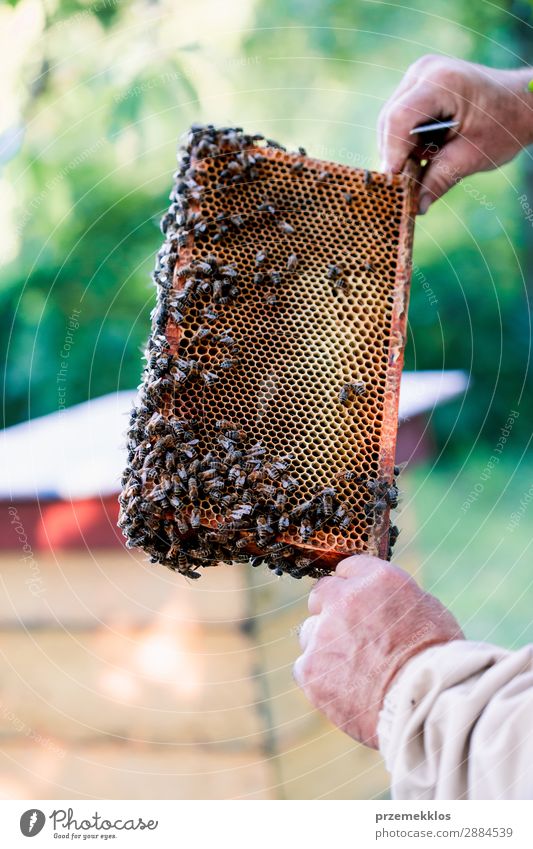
[
  {"x": 88, "y": 523},
  {"x": 91, "y": 523}
]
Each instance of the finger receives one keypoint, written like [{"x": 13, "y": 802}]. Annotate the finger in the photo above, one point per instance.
[
  {"x": 359, "y": 566},
  {"x": 299, "y": 670},
  {"x": 307, "y": 630},
  {"x": 405, "y": 85},
  {"x": 323, "y": 592},
  {"x": 415, "y": 106},
  {"x": 442, "y": 173}
]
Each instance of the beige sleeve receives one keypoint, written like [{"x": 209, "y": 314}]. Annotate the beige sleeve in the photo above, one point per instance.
[{"x": 457, "y": 723}]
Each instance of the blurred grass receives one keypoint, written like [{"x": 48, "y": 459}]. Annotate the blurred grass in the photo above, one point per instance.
[{"x": 469, "y": 557}]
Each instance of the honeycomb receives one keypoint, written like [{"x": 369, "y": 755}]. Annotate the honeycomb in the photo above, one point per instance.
[{"x": 277, "y": 342}]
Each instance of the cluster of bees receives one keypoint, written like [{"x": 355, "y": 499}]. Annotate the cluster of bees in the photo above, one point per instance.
[{"x": 173, "y": 469}]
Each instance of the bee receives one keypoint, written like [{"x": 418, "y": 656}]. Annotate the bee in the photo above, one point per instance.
[
  {"x": 391, "y": 496},
  {"x": 347, "y": 392},
  {"x": 243, "y": 511},
  {"x": 327, "y": 497},
  {"x": 271, "y": 299},
  {"x": 226, "y": 341},
  {"x": 155, "y": 424},
  {"x": 243, "y": 541},
  {"x": 215, "y": 468},
  {"x": 214, "y": 487},
  {"x": 380, "y": 506},
  {"x": 368, "y": 266},
  {"x": 256, "y": 450},
  {"x": 276, "y": 145},
  {"x": 201, "y": 335},
  {"x": 266, "y": 490},
  {"x": 219, "y": 288},
  {"x": 192, "y": 486},
  {"x": 234, "y": 455},
  {"x": 191, "y": 574},
  {"x": 278, "y": 466},
  {"x": 347, "y": 520},
  {"x": 267, "y": 207},
  {"x": 181, "y": 523},
  {"x": 234, "y": 473},
  {"x": 204, "y": 267},
  {"x": 306, "y": 529},
  {"x": 264, "y": 532},
  {"x": 229, "y": 272},
  {"x": 210, "y": 313},
  {"x": 349, "y": 475},
  {"x": 256, "y": 560},
  {"x": 209, "y": 377},
  {"x": 240, "y": 480},
  {"x": 261, "y": 257},
  {"x": 195, "y": 518},
  {"x": 394, "y": 533},
  {"x": 281, "y": 501},
  {"x": 297, "y": 167},
  {"x": 301, "y": 509},
  {"x": 285, "y": 227},
  {"x": 284, "y": 522},
  {"x": 367, "y": 177},
  {"x": 334, "y": 271},
  {"x": 177, "y": 316},
  {"x": 224, "y": 424},
  {"x": 292, "y": 262},
  {"x": 185, "y": 271},
  {"x": 259, "y": 278},
  {"x": 341, "y": 512},
  {"x": 183, "y": 562},
  {"x": 229, "y": 364},
  {"x": 289, "y": 483},
  {"x": 348, "y": 197},
  {"x": 234, "y": 435},
  {"x": 166, "y": 221}
]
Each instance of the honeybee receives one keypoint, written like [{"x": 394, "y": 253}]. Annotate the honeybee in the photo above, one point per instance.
[{"x": 292, "y": 262}]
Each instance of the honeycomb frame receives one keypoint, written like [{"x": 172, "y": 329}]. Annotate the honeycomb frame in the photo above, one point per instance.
[{"x": 320, "y": 258}]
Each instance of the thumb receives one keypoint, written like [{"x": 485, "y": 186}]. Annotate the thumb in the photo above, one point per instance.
[{"x": 443, "y": 172}]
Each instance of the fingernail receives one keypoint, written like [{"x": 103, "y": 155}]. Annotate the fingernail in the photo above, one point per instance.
[{"x": 424, "y": 202}]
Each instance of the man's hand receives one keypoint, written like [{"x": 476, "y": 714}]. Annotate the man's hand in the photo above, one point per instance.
[
  {"x": 493, "y": 107},
  {"x": 366, "y": 621}
]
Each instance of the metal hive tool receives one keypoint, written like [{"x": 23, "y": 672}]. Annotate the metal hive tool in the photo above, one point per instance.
[{"x": 266, "y": 422}]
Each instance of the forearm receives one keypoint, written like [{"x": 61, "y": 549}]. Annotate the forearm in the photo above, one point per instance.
[{"x": 457, "y": 724}]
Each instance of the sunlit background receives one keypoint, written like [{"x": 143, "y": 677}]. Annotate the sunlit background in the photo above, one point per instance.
[{"x": 121, "y": 680}]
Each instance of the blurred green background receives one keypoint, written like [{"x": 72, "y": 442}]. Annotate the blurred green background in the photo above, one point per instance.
[{"x": 95, "y": 96}]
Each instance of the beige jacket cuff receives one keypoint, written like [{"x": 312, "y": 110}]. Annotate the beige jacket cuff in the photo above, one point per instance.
[{"x": 457, "y": 722}]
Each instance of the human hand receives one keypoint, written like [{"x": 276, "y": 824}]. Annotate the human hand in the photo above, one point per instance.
[
  {"x": 493, "y": 107},
  {"x": 366, "y": 621}
]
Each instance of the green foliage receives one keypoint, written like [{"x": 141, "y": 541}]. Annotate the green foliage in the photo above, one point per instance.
[
  {"x": 472, "y": 543},
  {"x": 107, "y": 89}
]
